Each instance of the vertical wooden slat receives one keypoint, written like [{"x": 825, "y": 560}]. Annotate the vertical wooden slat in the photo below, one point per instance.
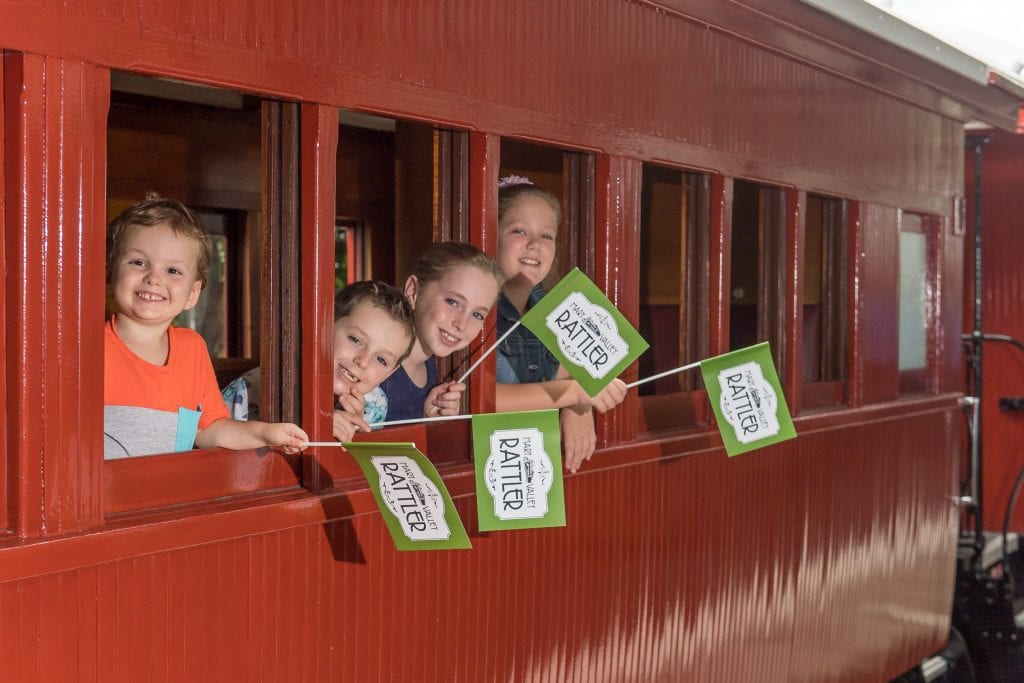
[
  {"x": 721, "y": 260},
  {"x": 5, "y": 484},
  {"x": 617, "y": 257},
  {"x": 54, "y": 112},
  {"x": 484, "y": 162},
  {"x": 855, "y": 305},
  {"x": 319, "y": 144},
  {"x": 793, "y": 307}
]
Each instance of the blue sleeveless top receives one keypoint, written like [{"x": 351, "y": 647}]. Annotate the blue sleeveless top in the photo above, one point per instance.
[{"x": 405, "y": 399}]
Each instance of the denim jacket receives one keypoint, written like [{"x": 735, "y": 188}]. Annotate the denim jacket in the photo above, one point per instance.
[{"x": 522, "y": 358}]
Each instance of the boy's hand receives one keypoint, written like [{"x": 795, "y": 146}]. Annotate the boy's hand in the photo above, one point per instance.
[
  {"x": 444, "y": 399},
  {"x": 351, "y": 401},
  {"x": 578, "y": 436},
  {"x": 609, "y": 397},
  {"x": 346, "y": 425},
  {"x": 286, "y": 436}
]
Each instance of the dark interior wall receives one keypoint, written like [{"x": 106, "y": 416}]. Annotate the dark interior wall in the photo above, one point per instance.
[{"x": 365, "y": 192}]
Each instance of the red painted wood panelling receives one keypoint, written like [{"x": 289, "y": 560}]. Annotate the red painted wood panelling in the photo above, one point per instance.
[
  {"x": 1002, "y": 313},
  {"x": 55, "y": 141},
  {"x": 5, "y": 484},
  {"x": 876, "y": 284},
  {"x": 319, "y": 131},
  {"x": 617, "y": 252},
  {"x": 511, "y": 69},
  {"x": 484, "y": 165},
  {"x": 776, "y": 566}
]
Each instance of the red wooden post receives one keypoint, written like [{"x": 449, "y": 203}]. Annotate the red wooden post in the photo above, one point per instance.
[
  {"x": 55, "y": 126},
  {"x": 318, "y": 130}
]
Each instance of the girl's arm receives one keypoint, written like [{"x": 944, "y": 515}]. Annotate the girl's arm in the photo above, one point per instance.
[
  {"x": 578, "y": 436},
  {"x": 560, "y": 392}
]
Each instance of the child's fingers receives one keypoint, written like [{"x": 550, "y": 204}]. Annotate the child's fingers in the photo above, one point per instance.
[
  {"x": 350, "y": 404},
  {"x": 298, "y": 434},
  {"x": 349, "y": 423}
]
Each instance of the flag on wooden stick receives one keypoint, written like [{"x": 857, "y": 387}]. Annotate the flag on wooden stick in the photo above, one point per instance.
[
  {"x": 586, "y": 333},
  {"x": 518, "y": 461},
  {"x": 747, "y": 398}
]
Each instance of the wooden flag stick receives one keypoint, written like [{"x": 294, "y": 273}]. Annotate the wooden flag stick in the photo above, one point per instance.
[
  {"x": 486, "y": 353},
  {"x": 375, "y": 425},
  {"x": 440, "y": 418},
  {"x": 674, "y": 371}
]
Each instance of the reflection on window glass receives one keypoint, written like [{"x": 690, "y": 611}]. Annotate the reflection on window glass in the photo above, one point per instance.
[
  {"x": 913, "y": 292},
  {"x": 208, "y": 317}
]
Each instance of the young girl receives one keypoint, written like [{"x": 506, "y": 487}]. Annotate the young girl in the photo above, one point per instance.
[
  {"x": 529, "y": 377},
  {"x": 452, "y": 288}
]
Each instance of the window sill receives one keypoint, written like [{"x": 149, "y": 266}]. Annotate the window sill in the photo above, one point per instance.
[{"x": 176, "y": 478}]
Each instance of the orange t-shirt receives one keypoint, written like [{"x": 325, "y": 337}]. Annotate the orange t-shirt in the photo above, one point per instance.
[{"x": 141, "y": 400}]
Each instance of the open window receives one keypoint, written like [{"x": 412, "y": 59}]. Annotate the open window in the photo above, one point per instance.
[
  {"x": 825, "y": 295},
  {"x": 757, "y": 285},
  {"x": 674, "y": 294},
  {"x": 232, "y": 158},
  {"x": 918, "y": 255},
  {"x": 401, "y": 186}
]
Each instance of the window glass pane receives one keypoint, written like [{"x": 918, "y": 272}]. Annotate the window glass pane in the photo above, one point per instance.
[
  {"x": 913, "y": 292},
  {"x": 757, "y": 283},
  {"x": 824, "y": 290}
]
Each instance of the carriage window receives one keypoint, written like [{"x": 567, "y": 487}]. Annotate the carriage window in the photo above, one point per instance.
[
  {"x": 674, "y": 291},
  {"x": 758, "y": 268},
  {"x": 401, "y": 186},
  {"x": 914, "y": 309},
  {"x": 824, "y": 301},
  {"x": 232, "y": 159}
]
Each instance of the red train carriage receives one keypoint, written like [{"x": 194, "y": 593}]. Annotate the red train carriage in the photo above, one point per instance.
[{"x": 731, "y": 172}]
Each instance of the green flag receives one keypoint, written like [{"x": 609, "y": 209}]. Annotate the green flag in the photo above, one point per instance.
[
  {"x": 584, "y": 331},
  {"x": 747, "y": 398},
  {"x": 412, "y": 498},
  {"x": 518, "y": 461}
]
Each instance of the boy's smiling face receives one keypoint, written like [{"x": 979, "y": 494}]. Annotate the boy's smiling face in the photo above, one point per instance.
[
  {"x": 156, "y": 276},
  {"x": 368, "y": 344}
]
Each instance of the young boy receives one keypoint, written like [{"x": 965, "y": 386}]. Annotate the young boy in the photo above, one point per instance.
[
  {"x": 373, "y": 333},
  {"x": 160, "y": 393}
]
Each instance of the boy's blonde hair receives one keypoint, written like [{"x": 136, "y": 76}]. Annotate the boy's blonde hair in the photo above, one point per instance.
[
  {"x": 441, "y": 257},
  {"x": 157, "y": 210},
  {"x": 387, "y": 298}
]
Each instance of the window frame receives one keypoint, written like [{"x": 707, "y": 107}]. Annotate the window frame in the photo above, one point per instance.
[{"x": 141, "y": 484}]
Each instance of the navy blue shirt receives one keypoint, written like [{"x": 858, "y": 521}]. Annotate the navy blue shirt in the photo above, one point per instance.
[
  {"x": 405, "y": 399},
  {"x": 522, "y": 358}
]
